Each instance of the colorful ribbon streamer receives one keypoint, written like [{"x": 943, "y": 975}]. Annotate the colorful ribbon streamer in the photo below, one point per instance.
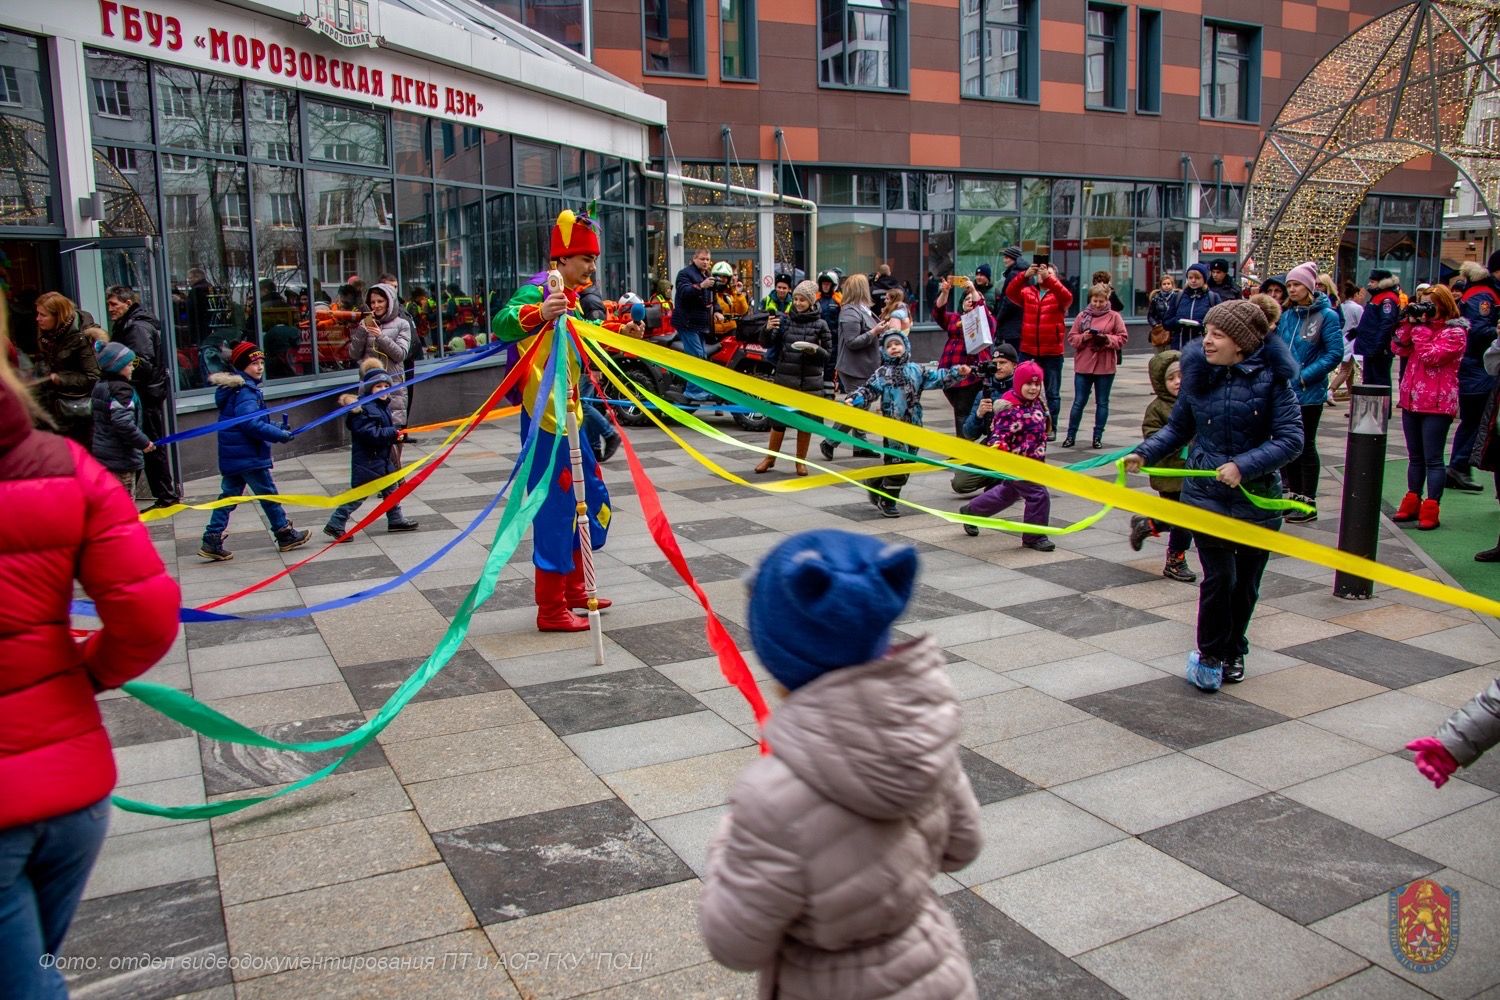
[
  {"x": 1061, "y": 480},
  {"x": 517, "y": 516}
]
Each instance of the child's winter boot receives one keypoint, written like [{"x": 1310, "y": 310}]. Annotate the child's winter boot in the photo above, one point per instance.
[
  {"x": 213, "y": 549},
  {"x": 1141, "y": 528},
  {"x": 289, "y": 538},
  {"x": 972, "y": 530},
  {"x": 397, "y": 521},
  {"x": 1178, "y": 569},
  {"x": 1428, "y": 518},
  {"x": 1407, "y": 512}
]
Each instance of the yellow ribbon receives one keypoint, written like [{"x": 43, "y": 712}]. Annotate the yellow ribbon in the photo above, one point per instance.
[{"x": 1098, "y": 490}]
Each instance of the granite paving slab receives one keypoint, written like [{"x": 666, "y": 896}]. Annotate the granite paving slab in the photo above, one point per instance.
[
  {"x": 463, "y": 966},
  {"x": 1385, "y": 721},
  {"x": 181, "y": 921},
  {"x": 707, "y": 980},
  {"x": 338, "y": 798},
  {"x": 1081, "y": 615},
  {"x": 1284, "y": 754},
  {"x": 928, "y": 603},
  {"x": 1014, "y": 713},
  {"x": 1301, "y": 863},
  {"x": 706, "y": 569},
  {"x": 679, "y": 786},
  {"x": 1372, "y": 984},
  {"x": 345, "y": 571},
  {"x": 718, "y": 527},
  {"x": 672, "y": 641},
  {"x": 151, "y": 857},
  {"x": 474, "y": 751},
  {"x": 656, "y": 741},
  {"x": 509, "y": 595},
  {"x": 607, "y": 700},
  {"x": 1073, "y": 751},
  {"x": 1172, "y": 712},
  {"x": 1011, "y": 963},
  {"x": 234, "y": 767},
  {"x": 990, "y": 781},
  {"x": 459, "y": 714},
  {"x": 689, "y": 834},
  {"x": 1303, "y": 689},
  {"x": 548, "y": 861},
  {"x": 130, "y": 723},
  {"x": 201, "y": 635},
  {"x": 1030, "y": 830},
  {"x": 1091, "y": 899},
  {"x": 1385, "y": 662},
  {"x": 1088, "y": 575},
  {"x": 372, "y": 684},
  {"x": 1385, "y": 796},
  {"x": 471, "y": 799},
  {"x": 1152, "y": 793}
]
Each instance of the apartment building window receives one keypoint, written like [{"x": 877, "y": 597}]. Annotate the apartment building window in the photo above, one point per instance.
[
  {"x": 10, "y": 87},
  {"x": 122, "y": 158},
  {"x": 181, "y": 211},
  {"x": 737, "y": 55},
  {"x": 1104, "y": 57},
  {"x": 862, "y": 44},
  {"x": 998, "y": 49},
  {"x": 1148, "y": 61},
  {"x": 111, "y": 98},
  {"x": 673, "y": 32},
  {"x": 177, "y": 163},
  {"x": 236, "y": 206},
  {"x": 176, "y": 102},
  {"x": 285, "y": 212},
  {"x": 1231, "y": 72}
]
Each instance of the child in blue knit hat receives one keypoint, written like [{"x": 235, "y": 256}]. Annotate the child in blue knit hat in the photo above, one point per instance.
[
  {"x": 820, "y": 876},
  {"x": 119, "y": 443},
  {"x": 372, "y": 452},
  {"x": 898, "y": 384}
]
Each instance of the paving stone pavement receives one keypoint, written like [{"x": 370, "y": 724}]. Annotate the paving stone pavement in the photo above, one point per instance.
[{"x": 535, "y": 826}]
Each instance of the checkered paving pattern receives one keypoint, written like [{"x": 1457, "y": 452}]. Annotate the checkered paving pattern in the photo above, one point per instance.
[{"x": 1142, "y": 839}]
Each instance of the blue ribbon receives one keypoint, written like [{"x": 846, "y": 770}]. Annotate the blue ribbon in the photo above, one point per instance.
[{"x": 467, "y": 358}]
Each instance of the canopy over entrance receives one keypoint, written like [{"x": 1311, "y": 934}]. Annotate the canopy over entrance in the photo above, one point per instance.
[{"x": 1400, "y": 87}]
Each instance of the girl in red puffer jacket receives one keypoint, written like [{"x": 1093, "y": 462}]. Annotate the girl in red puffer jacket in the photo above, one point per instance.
[
  {"x": 62, "y": 517},
  {"x": 1433, "y": 350}
]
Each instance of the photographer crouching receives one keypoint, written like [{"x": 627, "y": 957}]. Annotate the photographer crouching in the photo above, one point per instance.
[{"x": 995, "y": 377}]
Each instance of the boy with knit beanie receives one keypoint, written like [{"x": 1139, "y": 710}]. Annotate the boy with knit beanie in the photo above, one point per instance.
[
  {"x": 372, "y": 451},
  {"x": 119, "y": 443},
  {"x": 819, "y": 878}
]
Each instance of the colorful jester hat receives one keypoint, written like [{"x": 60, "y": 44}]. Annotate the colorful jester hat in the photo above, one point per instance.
[{"x": 574, "y": 234}]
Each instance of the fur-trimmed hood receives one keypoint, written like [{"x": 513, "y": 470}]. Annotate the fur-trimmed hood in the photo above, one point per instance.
[
  {"x": 1198, "y": 375},
  {"x": 1472, "y": 271},
  {"x": 1157, "y": 369},
  {"x": 1386, "y": 284},
  {"x": 227, "y": 380},
  {"x": 393, "y": 304}
]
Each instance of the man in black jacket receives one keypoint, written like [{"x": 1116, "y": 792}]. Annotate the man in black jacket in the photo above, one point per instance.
[
  {"x": 693, "y": 308},
  {"x": 138, "y": 330},
  {"x": 1218, "y": 280},
  {"x": 1007, "y": 314}
]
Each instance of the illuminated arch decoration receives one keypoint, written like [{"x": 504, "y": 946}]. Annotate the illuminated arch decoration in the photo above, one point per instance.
[{"x": 1400, "y": 87}]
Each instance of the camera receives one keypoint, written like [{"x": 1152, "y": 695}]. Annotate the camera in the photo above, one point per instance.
[
  {"x": 986, "y": 369},
  {"x": 1420, "y": 310}
]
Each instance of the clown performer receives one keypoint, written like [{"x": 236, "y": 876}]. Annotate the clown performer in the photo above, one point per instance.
[{"x": 531, "y": 312}]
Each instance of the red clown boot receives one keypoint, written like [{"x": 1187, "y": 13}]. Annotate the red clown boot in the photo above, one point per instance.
[
  {"x": 552, "y": 614},
  {"x": 577, "y": 596}
]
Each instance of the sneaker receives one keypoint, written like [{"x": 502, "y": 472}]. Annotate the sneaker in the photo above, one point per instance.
[
  {"x": 1141, "y": 528},
  {"x": 402, "y": 525},
  {"x": 888, "y": 508},
  {"x": 1039, "y": 543},
  {"x": 972, "y": 530},
  {"x": 1177, "y": 568},
  {"x": 875, "y": 498},
  {"x": 1068, "y": 441},
  {"x": 1204, "y": 672},
  {"x": 1301, "y": 517},
  {"x": 826, "y": 447},
  {"x": 336, "y": 534},
  {"x": 1234, "y": 672},
  {"x": 213, "y": 549},
  {"x": 290, "y": 538}
]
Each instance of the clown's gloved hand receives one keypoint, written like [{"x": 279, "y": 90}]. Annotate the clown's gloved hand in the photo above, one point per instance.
[{"x": 1433, "y": 760}]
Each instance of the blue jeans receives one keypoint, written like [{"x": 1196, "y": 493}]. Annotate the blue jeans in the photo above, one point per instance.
[
  {"x": 1082, "y": 386},
  {"x": 1051, "y": 382},
  {"x": 596, "y": 427},
  {"x": 1426, "y": 436},
  {"x": 43, "y": 868},
  {"x": 692, "y": 343},
  {"x": 339, "y": 520},
  {"x": 259, "y": 482}
]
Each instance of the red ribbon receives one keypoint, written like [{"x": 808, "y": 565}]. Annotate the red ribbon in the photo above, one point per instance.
[
  {"x": 731, "y": 661},
  {"x": 400, "y": 492}
]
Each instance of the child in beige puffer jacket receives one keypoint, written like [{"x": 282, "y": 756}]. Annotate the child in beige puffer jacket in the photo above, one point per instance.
[{"x": 819, "y": 878}]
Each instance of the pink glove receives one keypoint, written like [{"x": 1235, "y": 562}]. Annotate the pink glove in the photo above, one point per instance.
[{"x": 1433, "y": 760}]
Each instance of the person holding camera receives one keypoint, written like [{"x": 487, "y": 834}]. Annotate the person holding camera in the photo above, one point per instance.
[
  {"x": 996, "y": 377},
  {"x": 1044, "y": 302},
  {"x": 961, "y": 394},
  {"x": 1189, "y": 307},
  {"x": 1432, "y": 337}
]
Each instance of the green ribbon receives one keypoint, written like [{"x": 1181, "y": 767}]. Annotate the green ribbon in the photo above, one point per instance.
[
  {"x": 1264, "y": 503},
  {"x": 514, "y": 520}
]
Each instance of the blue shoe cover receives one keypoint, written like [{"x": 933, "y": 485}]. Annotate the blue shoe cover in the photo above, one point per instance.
[{"x": 1204, "y": 673}]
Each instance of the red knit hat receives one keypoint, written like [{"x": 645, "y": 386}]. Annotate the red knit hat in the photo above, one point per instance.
[
  {"x": 245, "y": 354},
  {"x": 573, "y": 235}
]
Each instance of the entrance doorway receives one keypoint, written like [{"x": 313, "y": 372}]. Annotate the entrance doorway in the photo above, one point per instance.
[{"x": 30, "y": 267}]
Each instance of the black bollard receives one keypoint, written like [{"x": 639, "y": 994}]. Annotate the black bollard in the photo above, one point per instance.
[{"x": 1364, "y": 476}]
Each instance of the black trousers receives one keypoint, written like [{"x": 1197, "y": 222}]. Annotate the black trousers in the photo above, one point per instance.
[
  {"x": 1227, "y": 596},
  {"x": 962, "y": 401},
  {"x": 1470, "y": 415},
  {"x": 158, "y": 464},
  {"x": 1303, "y": 471}
]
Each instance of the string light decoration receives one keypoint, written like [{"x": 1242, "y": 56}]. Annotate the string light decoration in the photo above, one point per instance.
[{"x": 1401, "y": 87}]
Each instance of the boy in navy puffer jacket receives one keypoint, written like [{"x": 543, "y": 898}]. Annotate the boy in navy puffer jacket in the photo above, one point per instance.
[
  {"x": 898, "y": 384},
  {"x": 245, "y": 452},
  {"x": 119, "y": 443},
  {"x": 372, "y": 453}
]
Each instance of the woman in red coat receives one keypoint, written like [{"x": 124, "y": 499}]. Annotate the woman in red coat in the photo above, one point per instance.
[
  {"x": 1044, "y": 302},
  {"x": 62, "y": 517}
]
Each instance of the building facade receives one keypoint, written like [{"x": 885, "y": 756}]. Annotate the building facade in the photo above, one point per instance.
[
  {"x": 933, "y": 133},
  {"x": 246, "y": 167}
]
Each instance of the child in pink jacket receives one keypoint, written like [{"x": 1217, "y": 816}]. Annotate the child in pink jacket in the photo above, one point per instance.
[
  {"x": 1019, "y": 427},
  {"x": 1097, "y": 337},
  {"x": 1432, "y": 349}
]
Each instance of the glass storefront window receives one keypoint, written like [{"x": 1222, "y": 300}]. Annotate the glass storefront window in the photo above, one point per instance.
[
  {"x": 501, "y": 212},
  {"x": 27, "y": 195},
  {"x": 535, "y": 215},
  {"x": 986, "y": 194},
  {"x": 415, "y": 237},
  {"x": 273, "y": 123},
  {"x": 497, "y": 159},
  {"x": 536, "y": 165},
  {"x": 199, "y": 111},
  {"x": 460, "y": 219},
  {"x": 340, "y": 134},
  {"x": 126, "y": 180},
  {"x": 411, "y": 143},
  {"x": 352, "y": 226},
  {"x": 980, "y": 240},
  {"x": 572, "y": 175},
  {"x": 456, "y": 150},
  {"x": 206, "y": 222},
  {"x": 281, "y": 270},
  {"x": 120, "y": 98}
]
